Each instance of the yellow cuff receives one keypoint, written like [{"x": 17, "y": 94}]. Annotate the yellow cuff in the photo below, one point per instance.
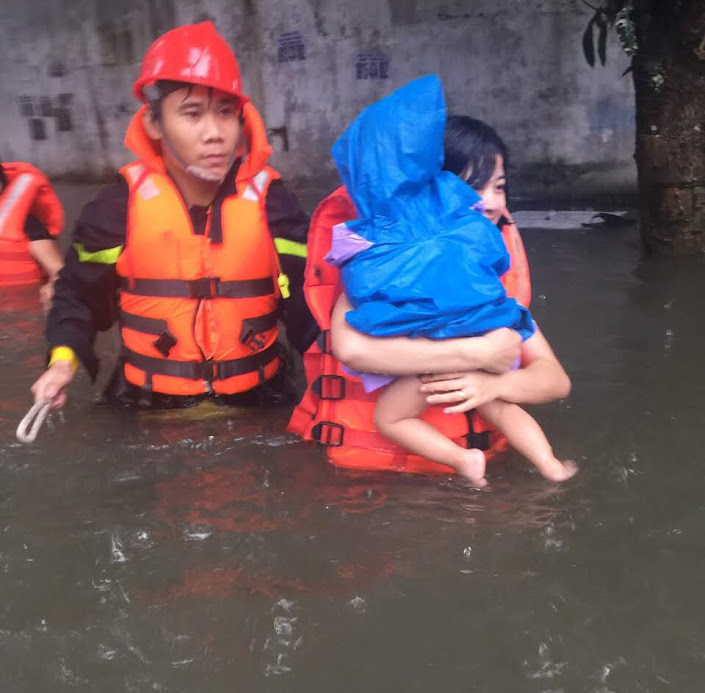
[{"x": 64, "y": 353}]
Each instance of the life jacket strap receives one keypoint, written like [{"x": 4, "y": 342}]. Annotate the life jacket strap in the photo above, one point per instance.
[
  {"x": 323, "y": 342},
  {"x": 478, "y": 440},
  {"x": 329, "y": 387},
  {"x": 206, "y": 287},
  {"x": 12, "y": 255},
  {"x": 252, "y": 328},
  {"x": 165, "y": 341},
  {"x": 208, "y": 371},
  {"x": 10, "y": 278},
  {"x": 334, "y": 435}
]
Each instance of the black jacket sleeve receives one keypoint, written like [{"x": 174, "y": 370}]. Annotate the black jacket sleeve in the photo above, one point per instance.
[
  {"x": 34, "y": 230},
  {"x": 85, "y": 296},
  {"x": 289, "y": 222}
]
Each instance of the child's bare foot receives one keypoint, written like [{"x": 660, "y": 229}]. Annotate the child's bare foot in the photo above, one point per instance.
[
  {"x": 472, "y": 467},
  {"x": 555, "y": 470}
]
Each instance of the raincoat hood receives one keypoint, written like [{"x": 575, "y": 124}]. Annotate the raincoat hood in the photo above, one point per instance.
[
  {"x": 391, "y": 157},
  {"x": 420, "y": 260}
]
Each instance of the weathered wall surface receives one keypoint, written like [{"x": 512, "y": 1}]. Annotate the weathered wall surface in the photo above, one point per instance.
[{"x": 311, "y": 65}]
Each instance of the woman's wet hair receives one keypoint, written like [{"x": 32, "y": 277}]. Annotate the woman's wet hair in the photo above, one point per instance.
[{"x": 471, "y": 150}]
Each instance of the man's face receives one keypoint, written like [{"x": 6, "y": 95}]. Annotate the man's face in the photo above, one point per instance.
[{"x": 202, "y": 126}]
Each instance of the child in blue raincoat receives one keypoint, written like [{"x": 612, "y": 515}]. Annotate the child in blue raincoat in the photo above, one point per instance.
[{"x": 422, "y": 261}]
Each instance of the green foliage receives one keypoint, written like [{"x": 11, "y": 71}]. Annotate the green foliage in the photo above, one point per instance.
[{"x": 612, "y": 13}]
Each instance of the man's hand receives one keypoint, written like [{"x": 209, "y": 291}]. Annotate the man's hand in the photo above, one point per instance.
[{"x": 51, "y": 385}]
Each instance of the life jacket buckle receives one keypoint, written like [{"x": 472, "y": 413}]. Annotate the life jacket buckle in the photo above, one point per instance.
[
  {"x": 329, "y": 387},
  {"x": 208, "y": 371},
  {"x": 328, "y": 434},
  {"x": 206, "y": 287},
  {"x": 164, "y": 343},
  {"x": 253, "y": 340},
  {"x": 323, "y": 342},
  {"x": 475, "y": 440},
  {"x": 478, "y": 440}
]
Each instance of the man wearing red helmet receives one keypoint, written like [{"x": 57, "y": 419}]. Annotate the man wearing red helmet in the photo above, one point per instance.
[{"x": 198, "y": 251}]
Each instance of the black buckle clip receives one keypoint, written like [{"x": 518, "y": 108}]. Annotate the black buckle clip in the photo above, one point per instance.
[
  {"x": 478, "y": 441},
  {"x": 164, "y": 343},
  {"x": 329, "y": 387},
  {"x": 323, "y": 342},
  {"x": 206, "y": 287},
  {"x": 253, "y": 340},
  {"x": 329, "y": 434},
  {"x": 207, "y": 371}
]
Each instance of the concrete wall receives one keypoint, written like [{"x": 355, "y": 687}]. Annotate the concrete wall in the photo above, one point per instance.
[{"x": 312, "y": 65}]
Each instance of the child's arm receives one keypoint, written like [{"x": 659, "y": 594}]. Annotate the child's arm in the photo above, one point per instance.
[
  {"x": 495, "y": 352},
  {"x": 540, "y": 379}
]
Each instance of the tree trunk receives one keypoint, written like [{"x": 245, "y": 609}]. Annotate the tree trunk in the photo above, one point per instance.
[{"x": 669, "y": 80}]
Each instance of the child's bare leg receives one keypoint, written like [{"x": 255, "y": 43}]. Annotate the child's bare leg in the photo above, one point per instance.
[
  {"x": 396, "y": 417},
  {"x": 525, "y": 435}
]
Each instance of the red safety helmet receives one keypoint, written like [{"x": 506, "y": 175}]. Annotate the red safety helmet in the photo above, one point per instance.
[{"x": 194, "y": 53}]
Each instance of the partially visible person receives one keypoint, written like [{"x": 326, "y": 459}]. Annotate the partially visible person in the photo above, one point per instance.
[
  {"x": 421, "y": 261},
  {"x": 476, "y": 153},
  {"x": 467, "y": 372},
  {"x": 31, "y": 218},
  {"x": 197, "y": 251}
]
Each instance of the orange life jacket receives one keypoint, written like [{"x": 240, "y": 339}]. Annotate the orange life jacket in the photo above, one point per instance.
[
  {"x": 27, "y": 192},
  {"x": 198, "y": 315},
  {"x": 335, "y": 411}
]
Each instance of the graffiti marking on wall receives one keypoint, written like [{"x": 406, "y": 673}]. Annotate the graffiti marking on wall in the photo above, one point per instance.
[
  {"x": 37, "y": 109},
  {"x": 373, "y": 65},
  {"x": 291, "y": 47},
  {"x": 282, "y": 134}
]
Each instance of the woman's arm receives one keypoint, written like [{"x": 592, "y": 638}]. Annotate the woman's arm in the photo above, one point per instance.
[
  {"x": 540, "y": 379},
  {"x": 495, "y": 352},
  {"x": 46, "y": 254}
]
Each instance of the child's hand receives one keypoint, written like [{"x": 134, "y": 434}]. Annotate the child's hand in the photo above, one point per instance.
[
  {"x": 462, "y": 391},
  {"x": 503, "y": 347}
]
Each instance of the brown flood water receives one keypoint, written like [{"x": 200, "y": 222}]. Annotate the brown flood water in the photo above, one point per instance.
[{"x": 208, "y": 551}]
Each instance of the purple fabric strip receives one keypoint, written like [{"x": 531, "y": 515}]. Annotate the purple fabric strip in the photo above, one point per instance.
[
  {"x": 370, "y": 381},
  {"x": 344, "y": 245}
]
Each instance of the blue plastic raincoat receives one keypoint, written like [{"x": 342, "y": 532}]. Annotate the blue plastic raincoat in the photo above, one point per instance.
[{"x": 419, "y": 260}]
